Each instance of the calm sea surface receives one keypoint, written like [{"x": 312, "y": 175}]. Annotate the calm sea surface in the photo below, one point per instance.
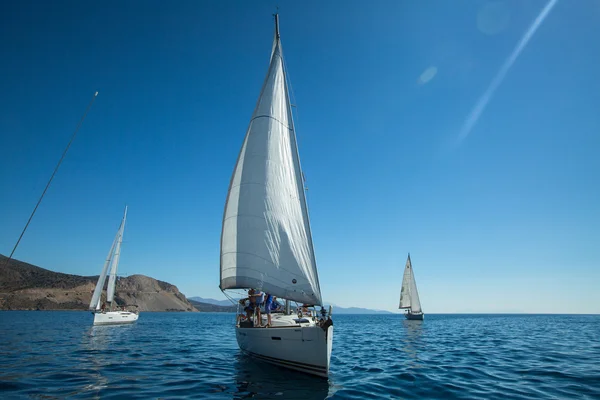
[{"x": 195, "y": 355}]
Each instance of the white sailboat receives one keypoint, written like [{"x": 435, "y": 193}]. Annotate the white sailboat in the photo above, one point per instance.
[
  {"x": 266, "y": 241},
  {"x": 409, "y": 296},
  {"x": 102, "y": 316}
]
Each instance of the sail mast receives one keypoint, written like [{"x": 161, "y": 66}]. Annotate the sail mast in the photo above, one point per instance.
[
  {"x": 266, "y": 241},
  {"x": 299, "y": 172},
  {"x": 415, "y": 303},
  {"x": 112, "y": 280},
  {"x": 95, "y": 302}
]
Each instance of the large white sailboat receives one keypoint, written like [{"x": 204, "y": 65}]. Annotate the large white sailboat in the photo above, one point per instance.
[
  {"x": 266, "y": 241},
  {"x": 110, "y": 316},
  {"x": 409, "y": 296}
]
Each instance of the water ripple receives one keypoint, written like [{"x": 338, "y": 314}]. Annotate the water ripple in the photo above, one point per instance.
[{"x": 47, "y": 355}]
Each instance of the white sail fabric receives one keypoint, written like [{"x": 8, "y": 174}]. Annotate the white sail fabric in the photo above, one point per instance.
[
  {"x": 406, "y": 286},
  {"x": 95, "y": 302},
  {"x": 409, "y": 296},
  {"x": 266, "y": 240},
  {"x": 415, "y": 303},
  {"x": 112, "y": 280}
]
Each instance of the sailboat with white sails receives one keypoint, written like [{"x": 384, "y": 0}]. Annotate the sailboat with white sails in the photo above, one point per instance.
[
  {"x": 266, "y": 241},
  {"x": 102, "y": 316},
  {"x": 409, "y": 296}
]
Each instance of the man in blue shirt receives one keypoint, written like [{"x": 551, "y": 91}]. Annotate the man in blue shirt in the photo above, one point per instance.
[
  {"x": 268, "y": 308},
  {"x": 275, "y": 306}
]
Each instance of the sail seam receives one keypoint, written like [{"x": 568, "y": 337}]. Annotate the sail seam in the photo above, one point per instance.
[
  {"x": 259, "y": 183},
  {"x": 273, "y": 118},
  {"x": 244, "y": 215}
]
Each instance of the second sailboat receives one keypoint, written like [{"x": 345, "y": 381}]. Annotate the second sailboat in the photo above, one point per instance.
[{"x": 110, "y": 316}]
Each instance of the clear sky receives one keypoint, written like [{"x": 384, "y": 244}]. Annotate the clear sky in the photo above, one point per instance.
[{"x": 504, "y": 218}]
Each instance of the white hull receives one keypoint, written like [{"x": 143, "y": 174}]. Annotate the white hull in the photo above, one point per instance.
[
  {"x": 115, "y": 318},
  {"x": 305, "y": 347}
]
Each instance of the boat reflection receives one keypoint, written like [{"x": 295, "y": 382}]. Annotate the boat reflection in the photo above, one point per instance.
[
  {"x": 95, "y": 342},
  {"x": 257, "y": 379},
  {"x": 100, "y": 337},
  {"x": 413, "y": 330}
]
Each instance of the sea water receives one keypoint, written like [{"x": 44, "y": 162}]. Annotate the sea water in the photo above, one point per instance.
[{"x": 195, "y": 355}]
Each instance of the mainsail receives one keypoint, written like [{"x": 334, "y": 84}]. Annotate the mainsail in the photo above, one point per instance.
[
  {"x": 266, "y": 240},
  {"x": 95, "y": 302},
  {"x": 114, "y": 256},
  {"x": 112, "y": 280},
  {"x": 409, "y": 296}
]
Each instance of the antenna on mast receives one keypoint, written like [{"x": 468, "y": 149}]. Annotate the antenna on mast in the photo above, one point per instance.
[{"x": 276, "y": 15}]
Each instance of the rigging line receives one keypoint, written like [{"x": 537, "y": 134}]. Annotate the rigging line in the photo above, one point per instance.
[
  {"x": 52, "y": 177},
  {"x": 293, "y": 95},
  {"x": 294, "y": 106},
  {"x": 230, "y": 298}
]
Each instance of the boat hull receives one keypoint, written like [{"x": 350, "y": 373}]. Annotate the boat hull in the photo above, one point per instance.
[
  {"x": 301, "y": 348},
  {"x": 115, "y": 318},
  {"x": 414, "y": 317}
]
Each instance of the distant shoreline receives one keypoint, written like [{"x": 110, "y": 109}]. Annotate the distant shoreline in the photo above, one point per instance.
[
  {"x": 360, "y": 314},
  {"x": 27, "y": 287}
]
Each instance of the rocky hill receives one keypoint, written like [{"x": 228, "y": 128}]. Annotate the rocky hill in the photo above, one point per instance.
[
  {"x": 28, "y": 287},
  {"x": 208, "y": 307}
]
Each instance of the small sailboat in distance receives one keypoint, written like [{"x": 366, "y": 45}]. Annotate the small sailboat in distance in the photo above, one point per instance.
[
  {"x": 409, "y": 296},
  {"x": 102, "y": 316},
  {"x": 266, "y": 241}
]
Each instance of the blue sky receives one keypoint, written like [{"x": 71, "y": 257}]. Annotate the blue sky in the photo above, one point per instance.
[{"x": 505, "y": 220}]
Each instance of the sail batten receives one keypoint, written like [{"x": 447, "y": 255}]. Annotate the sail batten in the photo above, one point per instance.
[{"x": 266, "y": 241}]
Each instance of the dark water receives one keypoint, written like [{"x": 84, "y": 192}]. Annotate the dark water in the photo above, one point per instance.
[{"x": 176, "y": 355}]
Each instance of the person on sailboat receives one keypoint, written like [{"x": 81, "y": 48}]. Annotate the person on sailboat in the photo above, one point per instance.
[
  {"x": 275, "y": 306},
  {"x": 260, "y": 300},
  {"x": 268, "y": 308},
  {"x": 251, "y": 304}
]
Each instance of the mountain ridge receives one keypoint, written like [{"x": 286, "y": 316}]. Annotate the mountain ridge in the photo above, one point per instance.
[{"x": 25, "y": 286}]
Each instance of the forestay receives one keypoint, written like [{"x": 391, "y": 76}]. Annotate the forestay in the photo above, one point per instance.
[{"x": 266, "y": 240}]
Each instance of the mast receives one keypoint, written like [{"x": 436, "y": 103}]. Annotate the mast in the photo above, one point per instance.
[
  {"x": 415, "y": 303},
  {"x": 266, "y": 194},
  {"x": 277, "y": 25},
  {"x": 299, "y": 171},
  {"x": 96, "y": 297},
  {"x": 112, "y": 281}
]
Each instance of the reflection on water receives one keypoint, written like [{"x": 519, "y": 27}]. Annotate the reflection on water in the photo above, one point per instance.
[
  {"x": 411, "y": 341},
  {"x": 195, "y": 355},
  {"x": 99, "y": 337},
  {"x": 95, "y": 342},
  {"x": 257, "y": 379}
]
